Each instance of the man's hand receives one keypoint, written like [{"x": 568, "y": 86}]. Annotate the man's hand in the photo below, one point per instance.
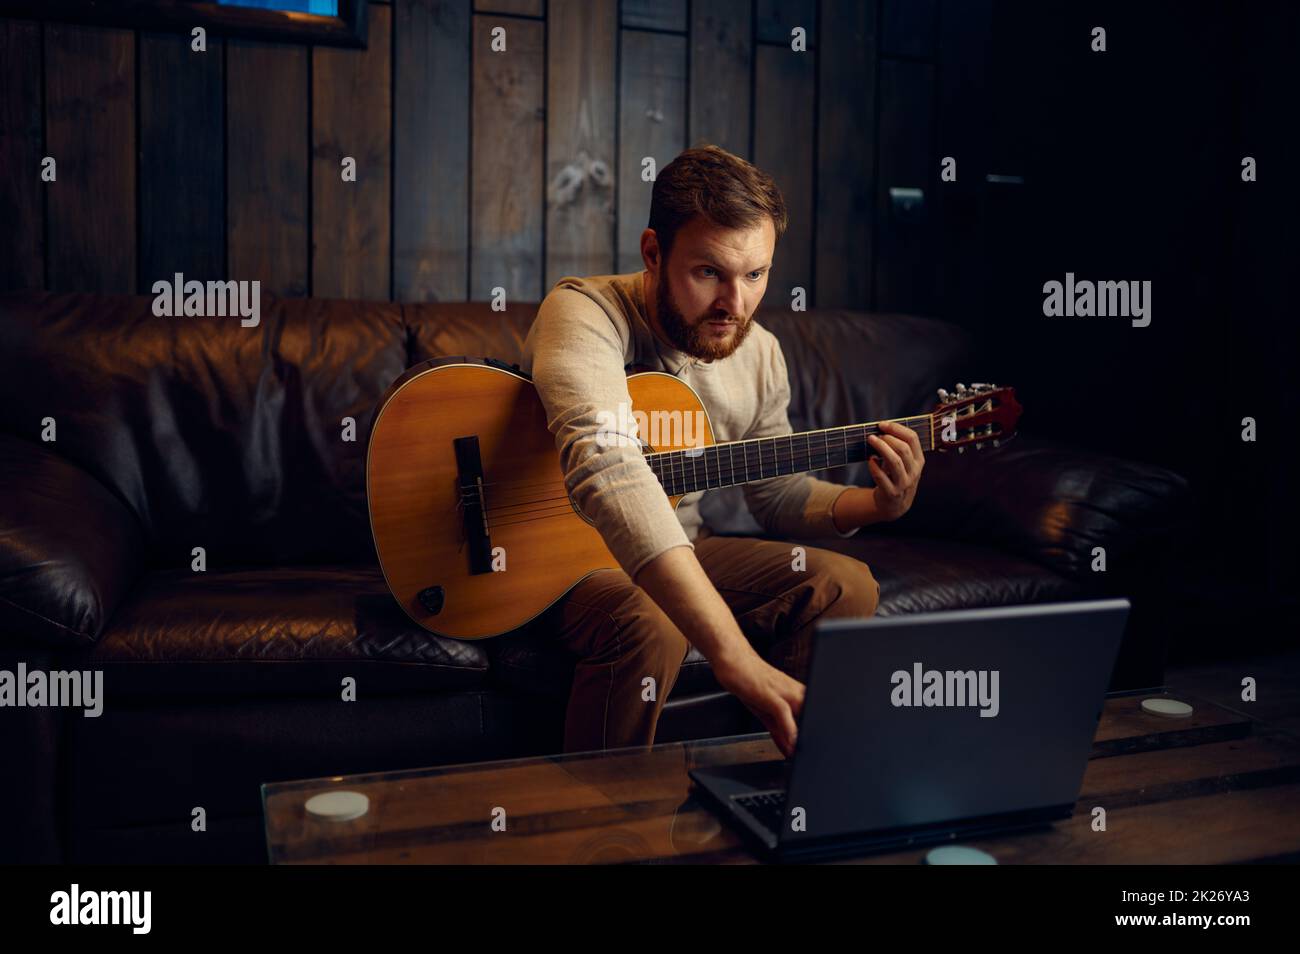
[
  {"x": 897, "y": 469},
  {"x": 676, "y": 581},
  {"x": 777, "y": 699}
]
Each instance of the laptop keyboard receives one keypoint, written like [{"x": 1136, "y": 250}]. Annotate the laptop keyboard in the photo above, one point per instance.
[{"x": 767, "y": 807}]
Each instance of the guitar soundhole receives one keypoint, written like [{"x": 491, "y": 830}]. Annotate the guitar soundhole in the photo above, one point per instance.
[{"x": 431, "y": 598}]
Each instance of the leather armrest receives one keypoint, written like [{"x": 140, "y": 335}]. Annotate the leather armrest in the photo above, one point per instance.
[
  {"x": 1052, "y": 504},
  {"x": 69, "y": 549}
]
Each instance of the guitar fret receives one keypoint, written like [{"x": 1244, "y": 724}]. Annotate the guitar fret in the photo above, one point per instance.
[{"x": 679, "y": 477}]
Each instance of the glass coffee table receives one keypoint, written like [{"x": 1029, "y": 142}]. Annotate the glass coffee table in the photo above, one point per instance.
[
  {"x": 1218, "y": 787},
  {"x": 617, "y": 805}
]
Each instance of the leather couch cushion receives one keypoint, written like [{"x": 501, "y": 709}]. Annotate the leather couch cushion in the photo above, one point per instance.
[
  {"x": 850, "y": 367},
  {"x": 1053, "y": 504},
  {"x": 69, "y": 549},
  {"x": 472, "y": 329},
  {"x": 915, "y": 574},
  {"x": 275, "y": 631},
  {"x": 213, "y": 434}
]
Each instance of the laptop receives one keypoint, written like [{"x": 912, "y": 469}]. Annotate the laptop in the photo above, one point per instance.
[{"x": 927, "y": 728}]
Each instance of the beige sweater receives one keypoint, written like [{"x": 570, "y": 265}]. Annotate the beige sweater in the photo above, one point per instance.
[{"x": 588, "y": 331}]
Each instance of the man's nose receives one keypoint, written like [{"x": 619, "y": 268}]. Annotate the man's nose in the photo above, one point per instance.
[{"x": 731, "y": 300}]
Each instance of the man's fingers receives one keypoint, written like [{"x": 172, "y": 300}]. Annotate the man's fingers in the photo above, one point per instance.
[
  {"x": 789, "y": 731},
  {"x": 907, "y": 434},
  {"x": 904, "y": 451},
  {"x": 882, "y": 478},
  {"x": 796, "y": 699},
  {"x": 889, "y": 455}
]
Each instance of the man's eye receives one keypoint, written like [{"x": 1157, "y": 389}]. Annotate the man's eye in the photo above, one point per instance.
[{"x": 757, "y": 275}]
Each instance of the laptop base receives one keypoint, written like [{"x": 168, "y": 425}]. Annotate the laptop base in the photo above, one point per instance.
[{"x": 722, "y": 784}]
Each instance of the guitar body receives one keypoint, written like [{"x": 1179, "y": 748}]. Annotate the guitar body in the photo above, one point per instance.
[{"x": 419, "y": 485}]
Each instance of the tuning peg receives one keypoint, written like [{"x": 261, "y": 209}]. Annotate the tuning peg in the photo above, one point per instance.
[
  {"x": 961, "y": 388},
  {"x": 943, "y": 396}
]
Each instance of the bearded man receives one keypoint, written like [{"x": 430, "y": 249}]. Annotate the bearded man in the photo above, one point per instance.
[{"x": 708, "y": 249}]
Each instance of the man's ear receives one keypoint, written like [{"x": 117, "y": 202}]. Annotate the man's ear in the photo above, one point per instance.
[{"x": 650, "y": 251}]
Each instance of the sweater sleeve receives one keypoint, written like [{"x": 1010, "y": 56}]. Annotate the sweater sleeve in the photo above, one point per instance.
[
  {"x": 797, "y": 505},
  {"x": 577, "y": 350}
]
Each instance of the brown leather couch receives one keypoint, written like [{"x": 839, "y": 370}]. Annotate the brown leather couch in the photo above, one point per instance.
[{"x": 177, "y": 433}]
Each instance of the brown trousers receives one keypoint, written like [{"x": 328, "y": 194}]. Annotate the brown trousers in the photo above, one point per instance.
[{"x": 621, "y": 636}]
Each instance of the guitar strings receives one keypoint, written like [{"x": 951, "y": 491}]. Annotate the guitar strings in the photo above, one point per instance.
[
  {"x": 557, "y": 506},
  {"x": 872, "y": 428},
  {"x": 780, "y": 457},
  {"x": 727, "y": 472},
  {"x": 562, "y": 505},
  {"x": 689, "y": 466},
  {"x": 567, "y": 509}
]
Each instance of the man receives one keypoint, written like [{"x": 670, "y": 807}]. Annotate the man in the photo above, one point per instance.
[{"x": 708, "y": 248}]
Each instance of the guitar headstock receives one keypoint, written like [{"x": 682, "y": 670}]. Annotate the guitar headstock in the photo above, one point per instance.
[{"x": 974, "y": 416}]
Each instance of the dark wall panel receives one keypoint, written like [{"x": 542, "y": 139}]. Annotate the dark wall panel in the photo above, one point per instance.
[
  {"x": 652, "y": 122},
  {"x": 474, "y": 169},
  {"x": 785, "y": 82},
  {"x": 351, "y": 116},
  {"x": 266, "y": 175},
  {"x": 22, "y": 200},
  {"x": 776, "y": 18},
  {"x": 506, "y": 207},
  {"x": 431, "y": 150},
  {"x": 721, "y": 63},
  {"x": 530, "y": 8},
  {"x": 846, "y": 154},
  {"x": 580, "y": 127},
  {"x": 90, "y": 131},
  {"x": 962, "y": 123},
  {"x": 908, "y": 28},
  {"x": 656, "y": 14},
  {"x": 904, "y": 263},
  {"x": 182, "y": 180}
]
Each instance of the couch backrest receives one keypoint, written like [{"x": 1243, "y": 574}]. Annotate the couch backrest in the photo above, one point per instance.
[
  {"x": 232, "y": 438},
  {"x": 215, "y": 435}
]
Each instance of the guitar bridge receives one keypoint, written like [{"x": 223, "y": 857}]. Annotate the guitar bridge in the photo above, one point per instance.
[{"x": 473, "y": 510}]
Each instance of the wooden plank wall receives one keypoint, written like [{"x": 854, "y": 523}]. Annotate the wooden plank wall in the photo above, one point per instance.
[{"x": 476, "y": 168}]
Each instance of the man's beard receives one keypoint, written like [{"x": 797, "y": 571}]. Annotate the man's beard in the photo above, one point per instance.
[{"x": 696, "y": 339}]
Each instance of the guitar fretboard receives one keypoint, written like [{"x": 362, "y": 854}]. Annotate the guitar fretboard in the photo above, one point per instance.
[{"x": 741, "y": 462}]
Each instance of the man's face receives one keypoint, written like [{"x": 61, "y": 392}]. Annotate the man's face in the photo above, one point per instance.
[{"x": 708, "y": 290}]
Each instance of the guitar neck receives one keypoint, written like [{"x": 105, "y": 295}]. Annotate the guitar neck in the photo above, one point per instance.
[{"x": 761, "y": 458}]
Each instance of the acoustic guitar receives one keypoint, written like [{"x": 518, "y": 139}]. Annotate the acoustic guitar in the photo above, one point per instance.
[{"x": 475, "y": 531}]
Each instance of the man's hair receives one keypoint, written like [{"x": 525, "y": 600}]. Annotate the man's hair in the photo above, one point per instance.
[{"x": 725, "y": 189}]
